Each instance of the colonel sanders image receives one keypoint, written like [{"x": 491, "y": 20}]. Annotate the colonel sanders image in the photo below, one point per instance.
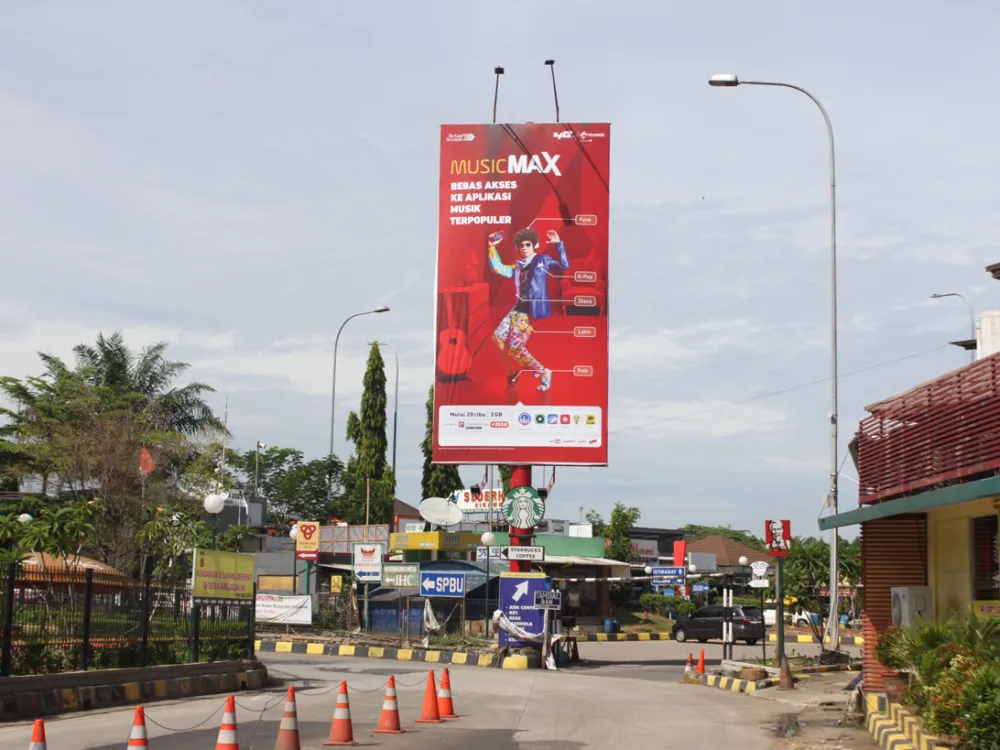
[{"x": 778, "y": 541}]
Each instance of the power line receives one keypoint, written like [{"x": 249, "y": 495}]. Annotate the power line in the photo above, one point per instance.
[{"x": 779, "y": 392}]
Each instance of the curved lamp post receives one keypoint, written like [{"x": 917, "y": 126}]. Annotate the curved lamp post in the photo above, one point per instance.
[
  {"x": 972, "y": 319},
  {"x": 214, "y": 504},
  {"x": 333, "y": 387},
  {"x": 293, "y": 534},
  {"x": 728, "y": 80}
]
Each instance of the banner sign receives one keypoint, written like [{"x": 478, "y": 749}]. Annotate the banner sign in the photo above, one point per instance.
[
  {"x": 521, "y": 331},
  {"x": 290, "y": 610},
  {"x": 482, "y": 502},
  {"x": 307, "y": 541},
  {"x": 367, "y": 558},
  {"x": 401, "y": 575},
  {"x": 222, "y": 575}
]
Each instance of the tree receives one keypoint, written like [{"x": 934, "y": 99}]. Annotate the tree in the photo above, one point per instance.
[
  {"x": 505, "y": 474},
  {"x": 597, "y": 521},
  {"x": 112, "y": 364},
  {"x": 367, "y": 466},
  {"x": 619, "y": 532},
  {"x": 438, "y": 480},
  {"x": 295, "y": 489},
  {"x": 806, "y": 571}
]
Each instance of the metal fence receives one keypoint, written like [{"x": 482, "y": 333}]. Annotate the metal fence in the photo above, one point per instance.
[
  {"x": 59, "y": 621},
  {"x": 404, "y": 616}
]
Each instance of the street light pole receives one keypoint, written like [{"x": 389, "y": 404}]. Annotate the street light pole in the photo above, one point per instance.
[
  {"x": 972, "y": 319},
  {"x": 333, "y": 388},
  {"x": 395, "y": 406},
  {"x": 729, "y": 80}
]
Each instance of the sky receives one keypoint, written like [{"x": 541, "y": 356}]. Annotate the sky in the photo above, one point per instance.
[{"x": 236, "y": 178}]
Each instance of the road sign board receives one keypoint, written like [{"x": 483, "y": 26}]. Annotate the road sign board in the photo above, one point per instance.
[
  {"x": 548, "y": 599},
  {"x": 671, "y": 576},
  {"x": 367, "y": 557},
  {"x": 517, "y": 600},
  {"x": 307, "y": 541},
  {"x": 400, "y": 576},
  {"x": 699, "y": 588},
  {"x": 481, "y": 552},
  {"x": 445, "y": 585},
  {"x": 533, "y": 554}
]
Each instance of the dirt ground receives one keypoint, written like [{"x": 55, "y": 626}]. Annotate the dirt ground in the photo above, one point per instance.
[{"x": 815, "y": 715}]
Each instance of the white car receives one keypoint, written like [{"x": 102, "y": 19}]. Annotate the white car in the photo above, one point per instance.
[{"x": 800, "y": 618}]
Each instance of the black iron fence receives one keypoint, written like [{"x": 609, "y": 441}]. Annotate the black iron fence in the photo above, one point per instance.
[{"x": 59, "y": 621}]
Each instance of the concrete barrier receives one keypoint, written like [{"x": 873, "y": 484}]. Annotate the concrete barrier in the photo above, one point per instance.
[{"x": 32, "y": 696}]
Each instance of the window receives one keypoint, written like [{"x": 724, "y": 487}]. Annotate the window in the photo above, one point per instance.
[
  {"x": 714, "y": 612},
  {"x": 986, "y": 570}
]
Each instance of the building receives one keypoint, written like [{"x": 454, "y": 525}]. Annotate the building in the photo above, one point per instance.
[{"x": 928, "y": 464}]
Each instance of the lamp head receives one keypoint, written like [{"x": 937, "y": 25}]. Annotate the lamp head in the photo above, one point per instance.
[
  {"x": 381, "y": 309},
  {"x": 724, "y": 79},
  {"x": 692, "y": 568},
  {"x": 293, "y": 533},
  {"x": 648, "y": 570},
  {"x": 214, "y": 503},
  {"x": 487, "y": 538},
  {"x": 743, "y": 560}
]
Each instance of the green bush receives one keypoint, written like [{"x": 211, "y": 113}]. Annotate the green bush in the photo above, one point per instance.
[
  {"x": 658, "y": 604},
  {"x": 946, "y": 698},
  {"x": 980, "y": 716}
]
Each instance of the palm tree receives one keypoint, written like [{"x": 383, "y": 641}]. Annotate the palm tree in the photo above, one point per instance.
[{"x": 112, "y": 364}]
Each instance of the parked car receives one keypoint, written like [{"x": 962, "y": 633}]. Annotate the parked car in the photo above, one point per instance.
[{"x": 706, "y": 624}]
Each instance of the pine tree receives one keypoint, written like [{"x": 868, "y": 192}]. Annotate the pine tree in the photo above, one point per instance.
[
  {"x": 368, "y": 432},
  {"x": 438, "y": 480}
]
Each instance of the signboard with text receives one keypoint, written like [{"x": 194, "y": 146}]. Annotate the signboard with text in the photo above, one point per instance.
[
  {"x": 522, "y": 260},
  {"x": 222, "y": 575},
  {"x": 367, "y": 559},
  {"x": 400, "y": 575},
  {"x": 517, "y": 601},
  {"x": 307, "y": 541},
  {"x": 286, "y": 610},
  {"x": 441, "y": 584}
]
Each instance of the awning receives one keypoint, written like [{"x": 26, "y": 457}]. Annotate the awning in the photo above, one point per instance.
[
  {"x": 956, "y": 494},
  {"x": 597, "y": 562},
  {"x": 337, "y": 566}
]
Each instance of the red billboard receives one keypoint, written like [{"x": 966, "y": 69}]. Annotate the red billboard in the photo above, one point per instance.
[{"x": 521, "y": 349}]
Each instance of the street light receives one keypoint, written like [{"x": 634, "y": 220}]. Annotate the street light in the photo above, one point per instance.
[
  {"x": 333, "y": 387},
  {"x": 293, "y": 534},
  {"x": 743, "y": 561},
  {"x": 214, "y": 503},
  {"x": 972, "y": 321},
  {"x": 488, "y": 539},
  {"x": 728, "y": 80},
  {"x": 395, "y": 405}
]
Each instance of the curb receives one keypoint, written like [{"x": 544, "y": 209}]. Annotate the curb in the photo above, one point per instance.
[
  {"x": 895, "y": 728},
  {"x": 613, "y": 637},
  {"x": 34, "y": 704},
  {"x": 732, "y": 685},
  {"x": 427, "y": 656},
  {"x": 847, "y": 640}
]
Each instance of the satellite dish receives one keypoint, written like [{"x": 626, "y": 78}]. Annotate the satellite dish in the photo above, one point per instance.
[{"x": 440, "y": 511}]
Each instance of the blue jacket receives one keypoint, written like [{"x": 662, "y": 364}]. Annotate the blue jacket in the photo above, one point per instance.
[{"x": 539, "y": 269}]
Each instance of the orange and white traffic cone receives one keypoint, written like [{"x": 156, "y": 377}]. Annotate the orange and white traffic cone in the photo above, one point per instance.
[
  {"x": 689, "y": 667},
  {"x": 701, "y": 662},
  {"x": 446, "y": 707},
  {"x": 138, "y": 737},
  {"x": 227, "y": 731},
  {"x": 430, "y": 713},
  {"x": 341, "y": 730},
  {"x": 388, "y": 723},
  {"x": 288, "y": 731},
  {"x": 38, "y": 736}
]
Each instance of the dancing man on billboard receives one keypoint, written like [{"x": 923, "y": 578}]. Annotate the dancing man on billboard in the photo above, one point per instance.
[{"x": 530, "y": 274}]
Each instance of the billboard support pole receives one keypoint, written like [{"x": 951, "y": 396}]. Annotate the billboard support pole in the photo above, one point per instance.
[{"x": 520, "y": 476}]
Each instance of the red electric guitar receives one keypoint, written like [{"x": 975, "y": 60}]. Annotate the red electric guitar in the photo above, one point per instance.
[{"x": 453, "y": 360}]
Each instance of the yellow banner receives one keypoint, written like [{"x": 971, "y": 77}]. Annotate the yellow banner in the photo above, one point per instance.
[
  {"x": 336, "y": 584},
  {"x": 986, "y": 608},
  {"x": 307, "y": 540},
  {"x": 223, "y": 575},
  {"x": 435, "y": 540}
]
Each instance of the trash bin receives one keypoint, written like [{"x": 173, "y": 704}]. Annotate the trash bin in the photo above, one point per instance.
[
  {"x": 618, "y": 626},
  {"x": 609, "y": 626}
]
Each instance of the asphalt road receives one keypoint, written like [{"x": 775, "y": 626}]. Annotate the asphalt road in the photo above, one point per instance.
[
  {"x": 600, "y": 708},
  {"x": 664, "y": 661}
]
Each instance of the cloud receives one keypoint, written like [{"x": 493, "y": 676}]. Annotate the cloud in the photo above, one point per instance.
[{"x": 691, "y": 419}]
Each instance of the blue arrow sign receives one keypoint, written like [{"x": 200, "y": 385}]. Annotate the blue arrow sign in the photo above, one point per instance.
[
  {"x": 673, "y": 576},
  {"x": 517, "y": 600},
  {"x": 699, "y": 588},
  {"x": 445, "y": 585}
]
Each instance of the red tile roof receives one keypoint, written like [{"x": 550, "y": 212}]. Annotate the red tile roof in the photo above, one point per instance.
[{"x": 727, "y": 552}]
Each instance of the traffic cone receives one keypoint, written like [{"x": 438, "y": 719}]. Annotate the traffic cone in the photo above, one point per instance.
[
  {"x": 341, "y": 730},
  {"x": 288, "y": 731},
  {"x": 430, "y": 713},
  {"x": 446, "y": 708},
  {"x": 38, "y": 736},
  {"x": 138, "y": 737},
  {"x": 689, "y": 667},
  {"x": 701, "y": 663},
  {"x": 227, "y": 732},
  {"x": 388, "y": 723}
]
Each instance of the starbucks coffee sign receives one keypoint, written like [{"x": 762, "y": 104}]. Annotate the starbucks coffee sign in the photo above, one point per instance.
[{"x": 523, "y": 508}]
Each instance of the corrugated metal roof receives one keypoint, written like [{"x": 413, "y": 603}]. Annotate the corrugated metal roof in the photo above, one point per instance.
[{"x": 727, "y": 551}]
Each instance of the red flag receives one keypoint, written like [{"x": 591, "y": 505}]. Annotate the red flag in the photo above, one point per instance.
[{"x": 146, "y": 464}]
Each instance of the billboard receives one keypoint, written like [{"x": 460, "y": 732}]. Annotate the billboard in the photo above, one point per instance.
[
  {"x": 223, "y": 575},
  {"x": 521, "y": 350},
  {"x": 307, "y": 541}
]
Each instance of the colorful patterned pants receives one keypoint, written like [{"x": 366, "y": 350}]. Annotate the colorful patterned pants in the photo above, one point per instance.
[{"x": 513, "y": 332}]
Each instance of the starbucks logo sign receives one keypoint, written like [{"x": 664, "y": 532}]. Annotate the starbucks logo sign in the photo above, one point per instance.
[{"x": 523, "y": 508}]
